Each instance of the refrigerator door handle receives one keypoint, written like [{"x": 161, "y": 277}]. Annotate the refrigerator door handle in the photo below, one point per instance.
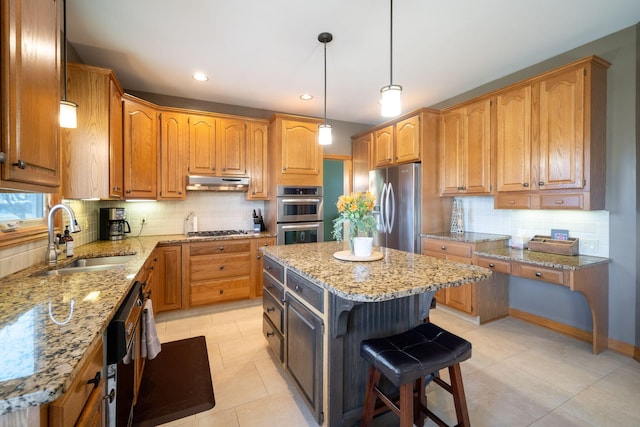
[
  {"x": 392, "y": 200},
  {"x": 382, "y": 225}
]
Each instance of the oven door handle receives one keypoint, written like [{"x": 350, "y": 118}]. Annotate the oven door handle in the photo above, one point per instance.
[
  {"x": 300, "y": 227},
  {"x": 300, "y": 200}
]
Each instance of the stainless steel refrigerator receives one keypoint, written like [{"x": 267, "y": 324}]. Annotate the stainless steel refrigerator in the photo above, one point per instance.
[{"x": 397, "y": 206}]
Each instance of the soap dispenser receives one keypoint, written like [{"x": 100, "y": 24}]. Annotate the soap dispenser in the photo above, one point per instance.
[{"x": 68, "y": 242}]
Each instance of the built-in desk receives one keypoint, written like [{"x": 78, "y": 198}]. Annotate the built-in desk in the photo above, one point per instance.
[{"x": 586, "y": 274}]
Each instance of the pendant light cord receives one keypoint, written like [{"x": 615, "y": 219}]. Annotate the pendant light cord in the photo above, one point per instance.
[
  {"x": 325, "y": 83},
  {"x": 390, "y": 44},
  {"x": 64, "y": 46}
]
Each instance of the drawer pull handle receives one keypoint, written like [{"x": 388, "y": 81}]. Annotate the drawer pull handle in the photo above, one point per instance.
[
  {"x": 221, "y": 291},
  {"x": 258, "y": 257},
  {"x": 298, "y": 289},
  {"x": 270, "y": 334},
  {"x": 221, "y": 248},
  {"x": 270, "y": 309},
  {"x": 512, "y": 202},
  {"x": 491, "y": 265},
  {"x": 443, "y": 247},
  {"x": 111, "y": 395},
  {"x": 559, "y": 202},
  {"x": 222, "y": 267},
  {"x": 525, "y": 184},
  {"x": 95, "y": 380},
  {"x": 541, "y": 184},
  {"x": 268, "y": 267},
  {"x": 538, "y": 274}
]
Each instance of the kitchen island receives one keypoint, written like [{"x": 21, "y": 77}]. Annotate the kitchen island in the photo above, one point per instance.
[{"x": 317, "y": 310}]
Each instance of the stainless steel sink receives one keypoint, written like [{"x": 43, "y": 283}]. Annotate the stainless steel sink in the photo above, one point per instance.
[{"x": 86, "y": 265}]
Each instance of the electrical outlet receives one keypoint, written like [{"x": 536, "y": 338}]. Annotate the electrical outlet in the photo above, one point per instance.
[{"x": 590, "y": 245}]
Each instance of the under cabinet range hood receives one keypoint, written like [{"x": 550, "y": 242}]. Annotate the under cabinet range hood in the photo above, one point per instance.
[{"x": 217, "y": 183}]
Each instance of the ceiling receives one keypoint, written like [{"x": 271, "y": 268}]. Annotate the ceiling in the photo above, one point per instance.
[{"x": 265, "y": 54}]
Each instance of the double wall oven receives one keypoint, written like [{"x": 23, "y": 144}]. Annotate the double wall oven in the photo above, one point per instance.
[{"x": 299, "y": 215}]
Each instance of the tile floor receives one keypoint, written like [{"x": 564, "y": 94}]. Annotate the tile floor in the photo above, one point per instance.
[{"x": 519, "y": 375}]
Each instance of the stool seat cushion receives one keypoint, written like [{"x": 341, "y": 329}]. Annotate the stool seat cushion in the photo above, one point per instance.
[{"x": 420, "y": 351}]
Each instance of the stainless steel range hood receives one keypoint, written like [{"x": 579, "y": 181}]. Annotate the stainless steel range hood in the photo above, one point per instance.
[{"x": 217, "y": 183}]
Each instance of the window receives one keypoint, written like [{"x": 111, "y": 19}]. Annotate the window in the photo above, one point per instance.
[{"x": 22, "y": 207}]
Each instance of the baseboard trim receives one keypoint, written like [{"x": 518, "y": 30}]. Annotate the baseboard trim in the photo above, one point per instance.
[{"x": 613, "y": 345}]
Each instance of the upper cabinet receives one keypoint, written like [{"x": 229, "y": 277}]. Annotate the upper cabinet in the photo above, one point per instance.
[
  {"x": 361, "y": 160},
  {"x": 397, "y": 142},
  {"x": 297, "y": 156},
  {"x": 232, "y": 147},
  {"x": 172, "y": 168},
  {"x": 140, "y": 149},
  {"x": 383, "y": 147},
  {"x": 258, "y": 160},
  {"x": 202, "y": 145},
  {"x": 550, "y": 138},
  {"x": 465, "y": 139},
  {"x": 30, "y": 52},
  {"x": 96, "y": 144}
]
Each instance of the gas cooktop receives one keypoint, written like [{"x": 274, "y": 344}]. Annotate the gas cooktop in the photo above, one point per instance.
[{"x": 216, "y": 233}]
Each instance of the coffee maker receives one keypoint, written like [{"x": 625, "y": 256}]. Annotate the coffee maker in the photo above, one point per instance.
[{"x": 113, "y": 224}]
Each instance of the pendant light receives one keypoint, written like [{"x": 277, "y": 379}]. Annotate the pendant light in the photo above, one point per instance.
[
  {"x": 390, "y": 101},
  {"x": 68, "y": 109},
  {"x": 324, "y": 130}
]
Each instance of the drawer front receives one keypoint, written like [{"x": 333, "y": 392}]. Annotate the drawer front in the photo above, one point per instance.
[
  {"x": 562, "y": 201},
  {"x": 275, "y": 340},
  {"x": 305, "y": 290},
  {"x": 219, "y": 247},
  {"x": 264, "y": 242},
  {"x": 273, "y": 287},
  {"x": 273, "y": 310},
  {"x": 219, "y": 290},
  {"x": 534, "y": 272},
  {"x": 447, "y": 247},
  {"x": 512, "y": 201},
  {"x": 494, "y": 264},
  {"x": 219, "y": 266},
  {"x": 273, "y": 268}
]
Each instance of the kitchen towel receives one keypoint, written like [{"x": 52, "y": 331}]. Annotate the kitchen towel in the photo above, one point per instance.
[{"x": 149, "y": 344}]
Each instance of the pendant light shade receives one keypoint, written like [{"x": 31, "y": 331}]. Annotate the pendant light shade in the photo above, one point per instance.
[
  {"x": 390, "y": 96},
  {"x": 68, "y": 109},
  {"x": 324, "y": 130}
]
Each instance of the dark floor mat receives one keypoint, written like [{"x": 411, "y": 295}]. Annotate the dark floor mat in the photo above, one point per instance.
[{"x": 176, "y": 384}]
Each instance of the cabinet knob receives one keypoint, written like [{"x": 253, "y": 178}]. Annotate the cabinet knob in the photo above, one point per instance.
[
  {"x": 511, "y": 202},
  {"x": 213, "y": 169},
  {"x": 443, "y": 247},
  {"x": 221, "y": 248},
  {"x": 270, "y": 309},
  {"x": 111, "y": 395},
  {"x": 221, "y": 291},
  {"x": 270, "y": 334},
  {"x": 258, "y": 257},
  {"x": 540, "y": 184},
  {"x": 298, "y": 289},
  {"x": 224, "y": 169},
  {"x": 525, "y": 184},
  {"x": 3, "y": 158},
  {"x": 491, "y": 265},
  {"x": 284, "y": 169},
  {"x": 21, "y": 164},
  {"x": 221, "y": 267},
  {"x": 538, "y": 274},
  {"x": 95, "y": 380},
  {"x": 559, "y": 202}
]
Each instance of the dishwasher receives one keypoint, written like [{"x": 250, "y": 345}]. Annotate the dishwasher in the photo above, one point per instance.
[{"x": 123, "y": 357}]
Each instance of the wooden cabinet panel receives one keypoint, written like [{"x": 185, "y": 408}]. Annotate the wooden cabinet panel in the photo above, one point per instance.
[
  {"x": 215, "y": 291},
  {"x": 173, "y": 145},
  {"x": 116, "y": 147},
  {"x": 460, "y": 298},
  {"x": 544, "y": 274},
  {"x": 361, "y": 161},
  {"x": 494, "y": 264},
  {"x": 477, "y": 148},
  {"x": 219, "y": 266},
  {"x": 383, "y": 147},
  {"x": 448, "y": 248},
  {"x": 232, "y": 147},
  {"x": 166, "y": 289},
  {"x": 300, "y": 153},
  {"x": 30, "y": 48},
  {"x": 258, "y": 161},
  {"x": 257, "y": 263},
  {"x": 202, "y": 145},
  {"x": 451, "y": 152},
  {"x": 140, "y": 150},
  {"x": 407, "y": 140}
]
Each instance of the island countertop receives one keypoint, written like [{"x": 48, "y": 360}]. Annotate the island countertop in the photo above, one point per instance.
[{"x": 397, "y": 274}]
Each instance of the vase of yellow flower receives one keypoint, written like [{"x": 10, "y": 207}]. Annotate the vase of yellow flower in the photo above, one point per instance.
[{"x": 355, "y": 221}]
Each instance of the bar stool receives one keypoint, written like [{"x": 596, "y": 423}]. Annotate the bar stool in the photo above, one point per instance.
[{"x": 405, "y": 360}]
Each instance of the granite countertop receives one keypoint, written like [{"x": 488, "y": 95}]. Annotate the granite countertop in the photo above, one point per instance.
[
  {"x": 467, "y": 237},
  {"x": 398, "y": 274},
  {"x": 39, "y": 357},
  {"x": 543, "y": 259}
]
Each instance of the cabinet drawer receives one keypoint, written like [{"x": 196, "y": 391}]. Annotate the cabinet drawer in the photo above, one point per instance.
[
  {"x": 275, "y": 340},
  {"x": 273, "y": 287},
  {"x": 273, "y": 310},
  {"x": 274, "y": 269},
  {"x": 535, "y": 272},
  {"x": 219, "y": 266},
  {"x": 306, "y": 290},
  {"x": 512, "y": 201},
  {"x": 562, "y": 201},
  {"x": 447, "y": 247},
  {"x": 214, "y": 291},
  {"x": 220, "y": 247},
  {"x": 494, "y": 264}
]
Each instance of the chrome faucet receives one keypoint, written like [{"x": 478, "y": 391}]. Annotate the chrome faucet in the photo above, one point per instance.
[{"x": 52, "y": 254}]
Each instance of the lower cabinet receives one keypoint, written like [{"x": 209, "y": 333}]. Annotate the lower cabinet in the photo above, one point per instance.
[
  {"x": 166, "y": 288},
  {"x": 82, "y": 404},
  {"x": 256, "y": 263}
]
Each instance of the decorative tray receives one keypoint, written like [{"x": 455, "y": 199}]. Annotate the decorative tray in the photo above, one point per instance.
[
  {"x": 348, "y": 256},
  {"x": 554, "y": 246}
]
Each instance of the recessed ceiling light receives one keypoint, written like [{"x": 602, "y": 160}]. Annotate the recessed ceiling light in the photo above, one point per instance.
[
  {"x": 201, "y": 77},
  {"x": 306, "y": 97}
]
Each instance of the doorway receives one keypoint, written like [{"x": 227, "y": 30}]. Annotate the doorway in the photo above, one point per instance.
[{"x": 336, "y": 182}]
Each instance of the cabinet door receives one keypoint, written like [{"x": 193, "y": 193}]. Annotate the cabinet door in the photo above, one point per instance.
[
  {"x": 116, "y": 148},
  {"x": 140, "y": 150},
  {"x": 459, "y": 297},
  {"x": 561, "y": 138},
  {"x": 30, "y": 46},
  {"x": 361, "y": 155},
  {"x": 383, "y": 147},
  {"x": 513, "y": 129},
  {"x": 258, "y": 176},
  {"x": 407, "y": 140},
  {"x": 301, "y": 153},
  {"x": 166, "y": 290},
  {"x": 477, "y": 148},
  {"x": 451, "y": 148},
  {"x": 202, "y": 145},
  {"x": 256, "y": 263},
  {"x": 171, "y": 173},
  {"x": 232, "y": 148},
  {"x": 304, "y": 352}
]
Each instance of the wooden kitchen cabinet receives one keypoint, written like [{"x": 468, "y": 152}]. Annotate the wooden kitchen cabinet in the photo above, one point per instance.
[
  {"x": 487, "y": 300},
  {"x": 398, "y": 142},
  {"x": 232, "y": 147},
  {"x": 550, "y": 136},
  {"x": 465, "y": 162},
  {"x": 202, "y": 145},
  {"x": 30, "y": 52},
  {"x": 166, "y": 289},
  {"x": 383, "y": 147},
  {"x": 82, "y": 404},
  {"x": 361, "y": 160},
  {"x": 256, "y": 263},
  {"x": 96, "y": 144},
  {"x": 258, "y": 157},
  {"x": 172, "y": 169},
  {"x": 140, "y": 149}
]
